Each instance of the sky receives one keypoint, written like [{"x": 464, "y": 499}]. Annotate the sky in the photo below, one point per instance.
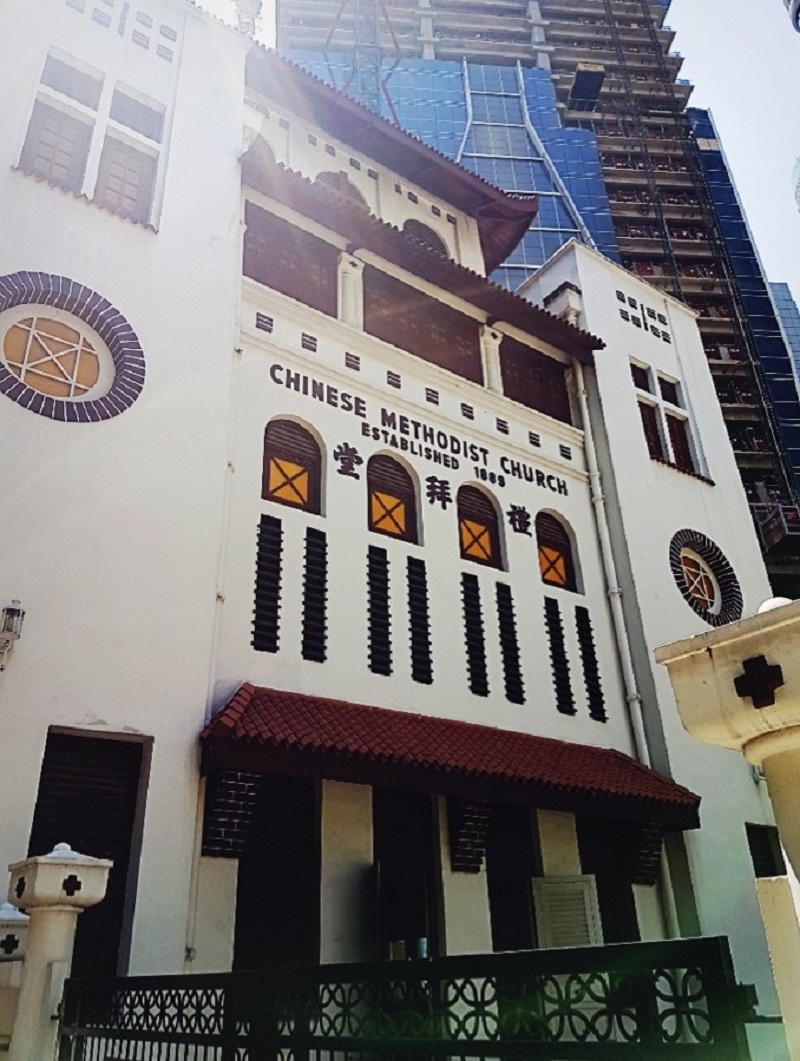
[{"x": 744, "y": 60}]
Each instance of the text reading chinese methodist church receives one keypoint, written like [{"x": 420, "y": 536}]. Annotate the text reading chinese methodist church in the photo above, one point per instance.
[{"x": 342, "y": 565}]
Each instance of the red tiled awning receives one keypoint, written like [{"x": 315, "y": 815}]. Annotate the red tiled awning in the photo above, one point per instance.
[{"x": 271, "y": 731}]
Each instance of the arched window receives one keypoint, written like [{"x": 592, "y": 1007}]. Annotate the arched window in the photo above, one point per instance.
[
  {"x": 478, "y": 528},
  {"x": 392, "y": 504},
  {"x": 426, "y": 235},
  {"x": 292, "y": 472},
  {"x": 343, "y": 185},
  {"x": 556, "y": 564}
]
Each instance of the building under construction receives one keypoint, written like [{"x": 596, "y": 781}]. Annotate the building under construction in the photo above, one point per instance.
[{"x": 579, "y": 102}]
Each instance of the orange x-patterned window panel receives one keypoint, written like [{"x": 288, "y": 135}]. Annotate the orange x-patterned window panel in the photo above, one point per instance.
[
  {"x": 476, "y": 541},
  {"x": 553, "y": 566},
  {"x": 288, "y": 482},
  {"x": 387, "y": 514}
]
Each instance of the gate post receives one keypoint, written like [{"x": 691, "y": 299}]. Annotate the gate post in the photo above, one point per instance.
[{"x": 53, "y": 889}]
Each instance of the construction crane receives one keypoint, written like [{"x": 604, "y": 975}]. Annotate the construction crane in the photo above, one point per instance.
[{"x": 365, "y": 80}]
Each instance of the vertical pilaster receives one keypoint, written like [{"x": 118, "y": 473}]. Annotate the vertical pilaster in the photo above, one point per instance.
[
  {"x": 350, "y": 290},
  {"x": 346, "y": 872},
  {"x": 490, "y": 358}
]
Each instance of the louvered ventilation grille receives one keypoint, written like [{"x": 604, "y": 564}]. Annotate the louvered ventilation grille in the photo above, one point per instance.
[
  {"x": 268, "y": 585},
  {"x": 419, "y": 621},
  {"x": 315, "y": 596},
  {"x": 591, "y": 670},
  {"x": 380, "y": 631},
  {"x": 85, "y": 88},
  {"x": 509, "y": 645},
  {"x": 149, "y": 121},
  {"x": 565, "y": 701},
  {"x": 293, "y": 441},
  {"x": 474, "y": 635},
  {"x": 386, "y": 474}
]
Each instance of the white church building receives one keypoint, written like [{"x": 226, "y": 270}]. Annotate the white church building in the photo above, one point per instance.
[{"x": 342, "y": 567}]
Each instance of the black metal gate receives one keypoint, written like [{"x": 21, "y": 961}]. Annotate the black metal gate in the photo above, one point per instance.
[{"x": 674, "y": 999}]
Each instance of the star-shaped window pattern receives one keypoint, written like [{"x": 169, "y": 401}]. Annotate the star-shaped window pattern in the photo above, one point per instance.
[
  {"x": 66, "y": 352},
  {"x": 705, "y": 578},
  {"x": 51, "y": 357},
  {"x": 700, "y": 582}
]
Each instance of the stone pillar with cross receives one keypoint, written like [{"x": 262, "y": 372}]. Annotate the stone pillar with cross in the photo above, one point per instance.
[
  {"x": 738, "y": 686},
  {"x": 52, "y": 889},
  {"x": 13, "y": 935}
]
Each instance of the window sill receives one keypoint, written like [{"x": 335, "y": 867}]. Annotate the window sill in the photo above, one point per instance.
[
  {"x": 146, "y": 225},
  {"x": 684, "y": 471}
]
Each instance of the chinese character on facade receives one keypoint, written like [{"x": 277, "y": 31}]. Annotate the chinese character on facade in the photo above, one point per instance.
[
  {"x": 438, "y": 491},
  {"x": 520, "y": 519},
  {"x": 349, "y": 459}
]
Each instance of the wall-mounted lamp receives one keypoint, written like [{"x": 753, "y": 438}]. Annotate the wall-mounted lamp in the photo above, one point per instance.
[{"x": 11, "y": 620}]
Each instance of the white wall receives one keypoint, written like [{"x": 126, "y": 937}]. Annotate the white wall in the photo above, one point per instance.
[
  {"x": 345, "y": 674},
  {"x": 111, "y": 530},
  {"x": 655, "y": 501}
]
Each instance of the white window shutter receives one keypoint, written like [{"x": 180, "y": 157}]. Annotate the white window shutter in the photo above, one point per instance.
[{"x": 567, "y": 914}]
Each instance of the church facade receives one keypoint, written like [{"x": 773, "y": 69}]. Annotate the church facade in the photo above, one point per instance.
[{"x": 343, "y": 566}]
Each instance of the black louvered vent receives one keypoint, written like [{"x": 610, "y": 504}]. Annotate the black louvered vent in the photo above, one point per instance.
[
  {"x": 591, "y": 671},
  {"x": 380, "y": 624},
  {"x": 509, "y": 645},
  {"x": 565, "y": 701},
  {"x": 474, "y": 635},
  {"x": 315, "y": 596},
  {"x": 298, "y": 443},
  {"x": 419, "y": 621},
  {"x": 268, "y": 585}
]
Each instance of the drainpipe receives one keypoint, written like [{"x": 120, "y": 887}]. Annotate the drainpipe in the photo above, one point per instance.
[{"x": 632, "y": 696}]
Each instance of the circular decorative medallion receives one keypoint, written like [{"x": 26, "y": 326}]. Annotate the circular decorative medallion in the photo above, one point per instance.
[
  {"x": 65, "y": 351},
  {"x": 706, "y": 580}
]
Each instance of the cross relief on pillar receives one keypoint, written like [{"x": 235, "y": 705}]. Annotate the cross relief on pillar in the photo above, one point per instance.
[
  {"x": 71, "y": 885},
  {"x": 9, "y": 944},
  {"x": 759, "y": 681}
]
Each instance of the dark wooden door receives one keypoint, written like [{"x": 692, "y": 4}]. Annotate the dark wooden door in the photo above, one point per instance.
[{"x": 88, "y": 792}]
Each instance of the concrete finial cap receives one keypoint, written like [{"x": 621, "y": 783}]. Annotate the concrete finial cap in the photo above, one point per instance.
[{"x": 773, "y": 603}]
